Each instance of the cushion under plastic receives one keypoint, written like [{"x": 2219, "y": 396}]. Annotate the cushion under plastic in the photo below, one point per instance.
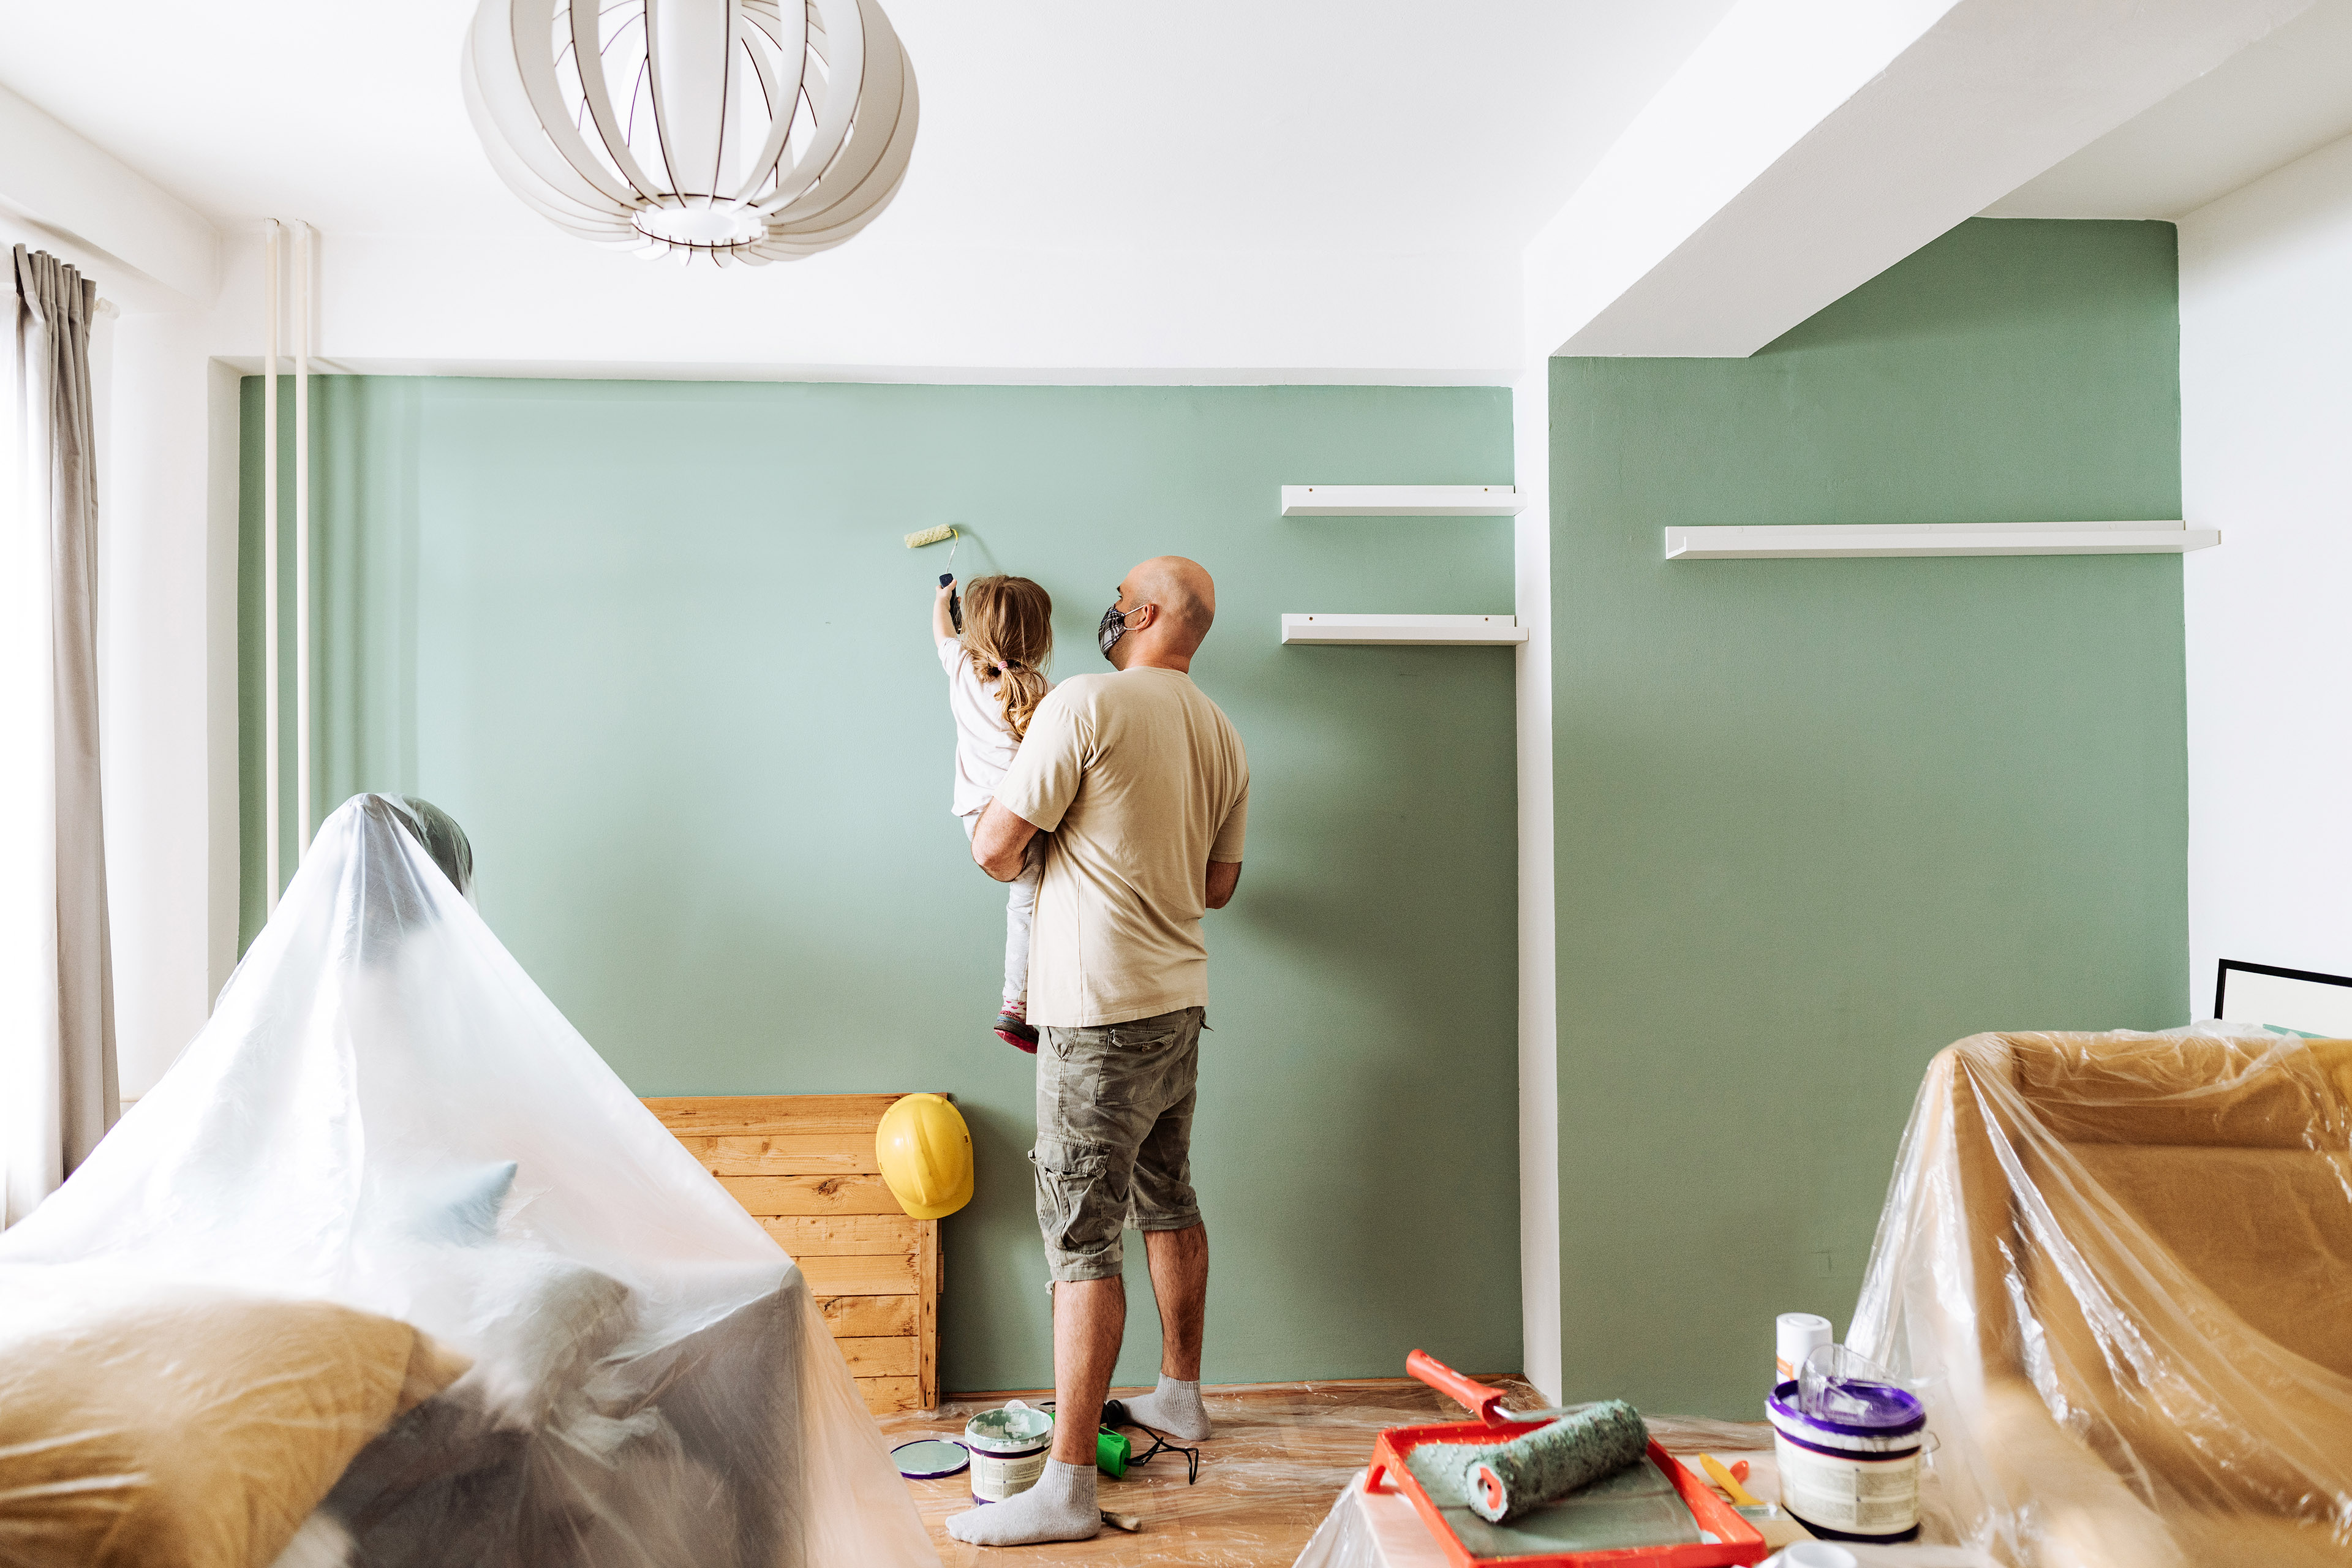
[{"x": 185, "y": 1428}]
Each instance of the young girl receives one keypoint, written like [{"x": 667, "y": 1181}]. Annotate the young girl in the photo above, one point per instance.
[{"x": 996, "y": 680}]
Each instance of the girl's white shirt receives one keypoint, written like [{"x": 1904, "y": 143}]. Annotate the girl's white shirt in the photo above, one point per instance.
[{"x": 986, "y": 744}]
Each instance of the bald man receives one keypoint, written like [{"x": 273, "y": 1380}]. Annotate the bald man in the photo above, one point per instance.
[{"x": 1143, "y": 785}]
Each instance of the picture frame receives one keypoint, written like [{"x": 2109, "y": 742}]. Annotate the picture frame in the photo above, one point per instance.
[{"x": 2292, "y": 1001}]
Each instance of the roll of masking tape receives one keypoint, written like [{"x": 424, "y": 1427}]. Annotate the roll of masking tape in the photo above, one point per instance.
[{"x": 1796, "y": 1335}]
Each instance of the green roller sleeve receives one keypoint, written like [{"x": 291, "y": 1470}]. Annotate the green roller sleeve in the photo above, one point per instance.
[
  {"x": 1111, "y": 1451},
  {"x": 1552, "y": 1461}
]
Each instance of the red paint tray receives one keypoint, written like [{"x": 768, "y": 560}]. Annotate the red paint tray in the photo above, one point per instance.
[{"x": 1738, "y": 1543}]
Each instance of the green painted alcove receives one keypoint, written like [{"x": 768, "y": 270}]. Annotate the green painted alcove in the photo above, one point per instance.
[{"x": 1819, "y": 819}]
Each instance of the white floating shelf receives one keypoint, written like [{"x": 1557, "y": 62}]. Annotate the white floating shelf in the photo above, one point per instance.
[
  {"x": 1400, "y": 501},
  {"x": 1847, "y": 542},
  {"x": 1404, "y": 631}
]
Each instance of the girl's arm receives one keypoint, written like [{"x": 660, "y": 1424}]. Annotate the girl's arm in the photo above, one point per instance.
[{"x": 943, "y": 627}]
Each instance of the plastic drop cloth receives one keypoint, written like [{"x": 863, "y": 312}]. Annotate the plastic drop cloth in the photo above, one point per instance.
[
  {"x": 384, "y": 1111},
  {"x": 2118, "y": 1269}
]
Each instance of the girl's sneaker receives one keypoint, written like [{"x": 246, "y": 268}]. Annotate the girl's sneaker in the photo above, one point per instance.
[{"x": 1015, "y": 1031}]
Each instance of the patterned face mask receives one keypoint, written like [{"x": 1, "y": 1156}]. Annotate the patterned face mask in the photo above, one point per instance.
[{"x": 1113, "y": 627}]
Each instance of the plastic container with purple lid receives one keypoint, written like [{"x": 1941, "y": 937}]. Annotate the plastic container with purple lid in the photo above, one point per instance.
[{"x": 1848, "y": 1446}]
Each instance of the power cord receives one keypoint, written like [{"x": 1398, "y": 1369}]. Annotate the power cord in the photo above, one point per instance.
[
  {"x": 1160, "y": 1445},
  {"x": 1115, "y": 1415}
]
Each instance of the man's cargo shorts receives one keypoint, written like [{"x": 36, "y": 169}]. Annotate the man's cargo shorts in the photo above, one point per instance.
[{"x": 1114, "y": 1137}]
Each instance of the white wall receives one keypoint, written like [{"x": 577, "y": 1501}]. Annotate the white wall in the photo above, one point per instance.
[
  {"x": 167, "y": 637},
  {"x": 2266, "y": 457},
  {"x": 547, "y": 303},
  {"x": 155, "y": 243},
  {"x": 1540, "y": 1286}
]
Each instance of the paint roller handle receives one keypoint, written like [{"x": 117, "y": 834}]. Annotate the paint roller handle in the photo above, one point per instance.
[{"x": 1488, "y": 1401}]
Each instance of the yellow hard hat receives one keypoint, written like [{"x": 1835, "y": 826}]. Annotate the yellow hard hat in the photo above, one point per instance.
[{"x": 925, "y": 1151}]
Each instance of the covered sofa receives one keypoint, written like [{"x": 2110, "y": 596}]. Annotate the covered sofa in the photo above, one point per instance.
[{"x": 2118, "y": 1267}]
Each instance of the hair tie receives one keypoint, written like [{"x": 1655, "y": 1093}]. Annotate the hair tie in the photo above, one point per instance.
[{"x": 1004, "y": 668}]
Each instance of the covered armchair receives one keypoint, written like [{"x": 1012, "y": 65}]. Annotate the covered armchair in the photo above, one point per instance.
[
  {"x": 387, "y": 1114},
  {"x": 2119, "y": 1268}
]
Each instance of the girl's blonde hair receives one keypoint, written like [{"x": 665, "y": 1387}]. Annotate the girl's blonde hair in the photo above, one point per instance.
[{"x": 1008, "y": 634}]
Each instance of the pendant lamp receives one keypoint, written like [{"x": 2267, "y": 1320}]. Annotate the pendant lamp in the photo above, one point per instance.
[{"x": 740, "y": 130}]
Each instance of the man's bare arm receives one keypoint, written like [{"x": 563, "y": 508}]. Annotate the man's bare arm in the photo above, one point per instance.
[
  {"x": 1001, "y": 842},
  {"x": 1224, "y": 877}
]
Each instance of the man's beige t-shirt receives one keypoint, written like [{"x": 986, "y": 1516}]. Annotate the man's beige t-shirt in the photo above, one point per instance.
[{"x": 1143, "y": 781}]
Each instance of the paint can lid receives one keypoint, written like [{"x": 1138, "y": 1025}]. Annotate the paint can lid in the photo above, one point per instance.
[
  {"x": 1843, "y": 1389},
  {"x": 929, "y": 1459},
  {"x": 1857, "y": 1414}
]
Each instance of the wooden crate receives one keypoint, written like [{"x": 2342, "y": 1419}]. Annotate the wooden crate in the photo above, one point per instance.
[{"x": 804, "y": 1166}]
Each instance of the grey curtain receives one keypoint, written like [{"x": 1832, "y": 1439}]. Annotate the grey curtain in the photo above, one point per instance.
[{"x": 55, "y": 306}]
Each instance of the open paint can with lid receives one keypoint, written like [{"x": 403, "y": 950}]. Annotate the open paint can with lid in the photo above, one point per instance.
[
  {"x": 1008, "y": 1451},
  {"x": 1848, "y": 1445}
]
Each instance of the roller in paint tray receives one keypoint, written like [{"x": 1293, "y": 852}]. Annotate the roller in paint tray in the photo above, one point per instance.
[
  {"x": 1583, "y": 1445},
  {"x": 1552, "y": 1461}
]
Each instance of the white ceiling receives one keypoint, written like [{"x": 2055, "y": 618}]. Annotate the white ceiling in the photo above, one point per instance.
[
  {"x": 2266, "y": 106},
  {"x": 1088, "y": 125}
]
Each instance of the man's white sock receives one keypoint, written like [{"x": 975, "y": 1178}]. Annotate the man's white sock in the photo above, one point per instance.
[
  {"x": 1060, "y": 1507},
  {"x": 1174, "y": 1408}
]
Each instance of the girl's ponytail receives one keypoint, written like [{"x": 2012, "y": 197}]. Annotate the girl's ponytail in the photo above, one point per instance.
[
  {"x": 1008, "y": 634},
  {"x": 1018, "y": 692}
]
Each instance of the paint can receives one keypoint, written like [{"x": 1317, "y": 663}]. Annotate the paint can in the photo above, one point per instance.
[
  {"x": 1850, "y": 1464},
  {"x": 1795, "y": 1336},
  {"x": 1008, "y": 1451}
]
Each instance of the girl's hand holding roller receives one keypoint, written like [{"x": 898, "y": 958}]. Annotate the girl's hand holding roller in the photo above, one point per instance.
[{"x": 943, "y": 628}]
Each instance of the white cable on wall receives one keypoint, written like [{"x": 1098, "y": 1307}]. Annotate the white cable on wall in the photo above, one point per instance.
[
  {"x": 270, "y": 812},
  {"x": 303, "y": 803}
]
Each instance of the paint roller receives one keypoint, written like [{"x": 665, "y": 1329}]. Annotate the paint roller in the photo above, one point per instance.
[
  {"x": 1553, "y": 1461},
  {"x": 1582, "y": 1445},
  {"x": 941, "y": 535}
]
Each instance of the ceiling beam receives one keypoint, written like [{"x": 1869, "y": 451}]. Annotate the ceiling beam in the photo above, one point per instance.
[
  {"x": 50, "y": 175},
  {"x": 1808, "y": 145}
]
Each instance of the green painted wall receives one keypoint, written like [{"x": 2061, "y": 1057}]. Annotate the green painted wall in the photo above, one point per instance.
[
  {"x": 1819, "y": 819},
  {"x": 658, "y": 647}
]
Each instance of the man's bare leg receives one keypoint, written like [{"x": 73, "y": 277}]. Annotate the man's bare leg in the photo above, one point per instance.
[
  {"x": 1089, "y": 1320},
  {"x": 1089, "y": 1317},
  {"x": 1180, "y": 1283}
]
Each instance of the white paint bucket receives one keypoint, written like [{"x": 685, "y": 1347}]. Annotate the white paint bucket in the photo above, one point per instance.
[
  {"x": 1008, "y": 1451},
  {"x": 1855, "y": 1477}
]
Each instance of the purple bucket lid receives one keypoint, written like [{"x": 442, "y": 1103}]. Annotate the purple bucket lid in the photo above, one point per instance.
[{"x": 1870, "y": 1410}]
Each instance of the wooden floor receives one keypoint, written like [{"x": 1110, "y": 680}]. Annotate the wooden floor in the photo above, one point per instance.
[{"x": 1282, "y": 1455}]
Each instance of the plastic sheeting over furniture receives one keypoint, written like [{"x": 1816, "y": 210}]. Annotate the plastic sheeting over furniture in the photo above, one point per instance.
[
  {"x": 2117, "y": 1267},
  {"x": 385, "y": 1112}
]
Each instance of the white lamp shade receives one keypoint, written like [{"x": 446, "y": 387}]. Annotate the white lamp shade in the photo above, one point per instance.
[{"x": 740, "y": 130}]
